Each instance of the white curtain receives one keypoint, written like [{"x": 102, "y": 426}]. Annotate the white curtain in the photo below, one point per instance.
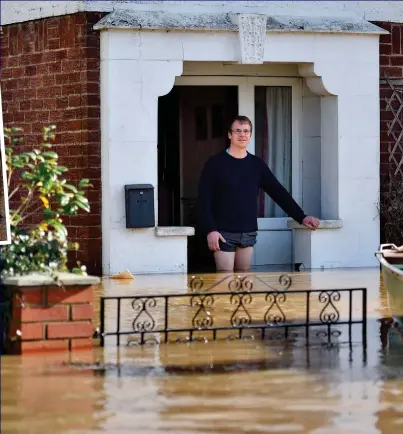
[{"x": 277, "y": 145}]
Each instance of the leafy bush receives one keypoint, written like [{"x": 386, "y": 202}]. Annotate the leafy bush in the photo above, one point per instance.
[
  {"x": 390, "y": 210},
  {"x": 36, "y": 183}
]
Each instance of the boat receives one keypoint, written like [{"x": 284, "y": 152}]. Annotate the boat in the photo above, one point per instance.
[{"x": 390, "y": 258}]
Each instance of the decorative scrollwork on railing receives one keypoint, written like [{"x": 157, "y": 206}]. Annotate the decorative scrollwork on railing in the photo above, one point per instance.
[
  {"x": 241, "y": 316},
  {"x": 285, "y": 281},
  {"x": 203, "y": 318},
  {"x": 144, "y": 321},
  {"x": 253, "y": 313},
  {"x": 275, "y": 299},
  {"x": 196, "y": 284},
  {"x": 240, "y": 284},
  {"x": 329, "y": 314}
]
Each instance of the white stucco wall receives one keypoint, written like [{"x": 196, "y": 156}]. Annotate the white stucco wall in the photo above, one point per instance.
[{"x": 18, "y": 11}]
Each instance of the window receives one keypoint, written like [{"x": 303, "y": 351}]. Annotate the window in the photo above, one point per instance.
[{"x": 273, "y": 140}]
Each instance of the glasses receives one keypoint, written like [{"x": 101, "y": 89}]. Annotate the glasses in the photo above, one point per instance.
[{"x": 240, "y": 131}]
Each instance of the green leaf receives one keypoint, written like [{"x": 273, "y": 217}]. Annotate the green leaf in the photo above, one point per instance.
[
  {"x": 61, "y": 229},
  {"x": 83, "y": 182},
  {"x": 49, "y": 154},
  {"x": 71, "y": 187},
  {"x": 81, "y": 199},
  {"x": 83, "y": 206},
  {"x": 31, "y": 154}
]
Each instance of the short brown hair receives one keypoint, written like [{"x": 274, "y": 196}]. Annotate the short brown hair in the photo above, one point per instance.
[{"x": 242, "y": 120}]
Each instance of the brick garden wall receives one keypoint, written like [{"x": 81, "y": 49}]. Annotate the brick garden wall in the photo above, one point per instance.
[
  {"x": 51, "y": 318},
  {"x": 50, "y": 76},
  {"x": 391, "y": 67}
]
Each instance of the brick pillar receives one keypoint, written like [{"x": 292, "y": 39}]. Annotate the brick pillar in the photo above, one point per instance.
[{"x": 51, "y": 318}]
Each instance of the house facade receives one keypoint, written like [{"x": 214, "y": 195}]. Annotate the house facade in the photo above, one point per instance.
[{"x": 142, "y": 92}]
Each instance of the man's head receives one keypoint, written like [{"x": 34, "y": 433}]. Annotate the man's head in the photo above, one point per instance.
[{"x": 240, "y": 132}]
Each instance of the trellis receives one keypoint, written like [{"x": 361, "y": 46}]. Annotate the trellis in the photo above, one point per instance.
[
  {"x": 394, "y": 104},
  {"x": 391, "y": 195}
]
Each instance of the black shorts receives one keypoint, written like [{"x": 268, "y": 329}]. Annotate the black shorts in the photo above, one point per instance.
[{"x": 236, "y": 240}]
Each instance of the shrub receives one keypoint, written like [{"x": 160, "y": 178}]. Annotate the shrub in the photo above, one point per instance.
[{"x": 37, "y": 186}]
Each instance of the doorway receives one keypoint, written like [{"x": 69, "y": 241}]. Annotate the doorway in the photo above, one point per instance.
[{"x": 192, "y": 126}]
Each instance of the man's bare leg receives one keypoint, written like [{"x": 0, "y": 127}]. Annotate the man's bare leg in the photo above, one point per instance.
[
  {"x": 224, "y": 261},
  {"x": 243, "y": 258}
]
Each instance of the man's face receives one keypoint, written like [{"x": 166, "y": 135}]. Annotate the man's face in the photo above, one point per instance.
[{"x": 240, "y": 135}]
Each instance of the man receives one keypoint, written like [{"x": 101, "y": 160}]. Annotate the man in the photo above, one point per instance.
[{"x": 228, "y": 191}]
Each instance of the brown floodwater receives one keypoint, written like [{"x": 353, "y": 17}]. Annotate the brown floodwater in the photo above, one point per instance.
[{"x": 250, "y": 386}]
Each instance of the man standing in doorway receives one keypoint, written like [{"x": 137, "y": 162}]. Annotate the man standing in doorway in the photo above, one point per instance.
[{"x": 228, "y": 191}]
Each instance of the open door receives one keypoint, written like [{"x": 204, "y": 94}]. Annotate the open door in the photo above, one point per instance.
[
  {"x": 192, "y": 126},
  {"x": 205, "y": 113}
]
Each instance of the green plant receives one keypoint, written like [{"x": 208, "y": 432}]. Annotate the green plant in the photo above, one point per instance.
[
  {"x": 390, "y": 209},
  {"x": 37, "y": 186}
]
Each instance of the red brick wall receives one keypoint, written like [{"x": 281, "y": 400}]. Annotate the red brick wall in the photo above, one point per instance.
[
  {"x": 50, "y": 76},
  {"x": 391, "y": 67},
  {"x": 51, "y": 318}
]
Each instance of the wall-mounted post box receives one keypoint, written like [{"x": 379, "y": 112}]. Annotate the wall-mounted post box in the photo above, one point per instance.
[{"x": 139, "y": 199}]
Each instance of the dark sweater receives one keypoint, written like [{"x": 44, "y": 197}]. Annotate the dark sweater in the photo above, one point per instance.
[{"x": 228, "y": 192}]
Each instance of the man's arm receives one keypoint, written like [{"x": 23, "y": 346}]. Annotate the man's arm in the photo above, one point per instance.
[{"x": 280, "y": 195}]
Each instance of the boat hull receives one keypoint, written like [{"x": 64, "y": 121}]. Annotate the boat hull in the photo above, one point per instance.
[{"x": 392, "y": 275}]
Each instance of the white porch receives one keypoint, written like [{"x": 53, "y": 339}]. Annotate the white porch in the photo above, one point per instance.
[{"x": 334, "y": 76}]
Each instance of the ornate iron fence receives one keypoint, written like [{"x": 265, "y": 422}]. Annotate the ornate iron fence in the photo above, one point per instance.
[{"x": 239, "y": 312}]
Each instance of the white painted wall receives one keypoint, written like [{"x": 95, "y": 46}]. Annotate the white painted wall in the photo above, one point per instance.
[{"x": 18, "y": 11}]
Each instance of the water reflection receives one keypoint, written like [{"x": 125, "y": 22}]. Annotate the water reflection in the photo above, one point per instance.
[{"x": 220, "y": 387}]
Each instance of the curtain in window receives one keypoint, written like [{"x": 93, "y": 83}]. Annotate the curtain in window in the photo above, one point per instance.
[{"x": 274, "y": 143}]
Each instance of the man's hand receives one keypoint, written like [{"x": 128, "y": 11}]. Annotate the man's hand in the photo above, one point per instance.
[
  {"x": 311, "y": 222},
  {"x": 213, "y": 241}
]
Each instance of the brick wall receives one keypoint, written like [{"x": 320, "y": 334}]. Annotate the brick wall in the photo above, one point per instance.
[
  {"x": 391, "y": 67},
  {"x": 50, "y": 76}
]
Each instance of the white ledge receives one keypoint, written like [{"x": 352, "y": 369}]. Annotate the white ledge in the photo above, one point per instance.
[
  {"x": 169, "y": 20},
  {"x": 43, "y": 279},
  {"x": 174, "y": 231},
  {"x": 324, "y": 224}
]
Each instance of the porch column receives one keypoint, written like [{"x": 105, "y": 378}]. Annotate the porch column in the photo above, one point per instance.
[
  {"x": 130, "y": 87},
  {"x": 348, "y": 84}
]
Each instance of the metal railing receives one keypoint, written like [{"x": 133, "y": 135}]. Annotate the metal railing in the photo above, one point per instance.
[{"x": 239, "y": 312}]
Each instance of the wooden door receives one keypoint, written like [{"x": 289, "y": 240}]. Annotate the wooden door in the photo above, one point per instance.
[{"x": 205, "y": 112}]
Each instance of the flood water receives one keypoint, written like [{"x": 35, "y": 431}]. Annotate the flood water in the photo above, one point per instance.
[{"x": 250, "y": 386}]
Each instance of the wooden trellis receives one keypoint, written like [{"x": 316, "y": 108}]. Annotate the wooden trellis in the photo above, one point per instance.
[{"x": 394, "y": 104}]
